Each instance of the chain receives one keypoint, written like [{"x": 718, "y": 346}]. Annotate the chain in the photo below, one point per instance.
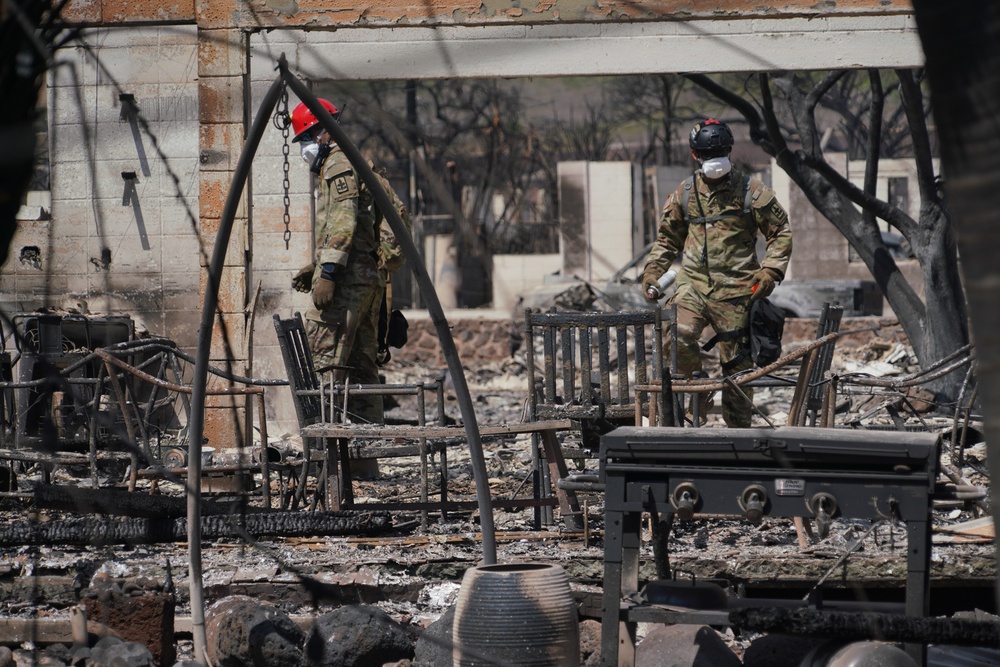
[{"x": 282, "y": 121}]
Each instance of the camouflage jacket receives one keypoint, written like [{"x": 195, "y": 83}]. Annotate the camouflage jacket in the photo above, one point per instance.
[
  {"x": 348, "y": 224},
  {"x": 715, "y": 240}
]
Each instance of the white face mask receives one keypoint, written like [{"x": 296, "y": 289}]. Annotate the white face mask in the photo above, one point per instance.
[
  {"x": 310, "y": 149},
  {"x": 716, "y": 167}
]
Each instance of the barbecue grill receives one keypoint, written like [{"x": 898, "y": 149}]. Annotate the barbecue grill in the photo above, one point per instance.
[{"x": 814, "y": 473}]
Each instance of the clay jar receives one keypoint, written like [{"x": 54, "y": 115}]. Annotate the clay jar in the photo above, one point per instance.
[{"x": 516, "y": 614}]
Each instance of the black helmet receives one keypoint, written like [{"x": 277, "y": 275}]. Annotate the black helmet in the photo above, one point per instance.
[{"x": 711, "y": 138}]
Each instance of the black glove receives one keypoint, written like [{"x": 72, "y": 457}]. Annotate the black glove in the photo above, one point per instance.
[{"x": 303, "y": 280}]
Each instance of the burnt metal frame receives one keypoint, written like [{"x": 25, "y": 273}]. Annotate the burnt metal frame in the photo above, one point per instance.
[
  {"x": 121, "y": 369},
  {"x": 640, "y": 476}
]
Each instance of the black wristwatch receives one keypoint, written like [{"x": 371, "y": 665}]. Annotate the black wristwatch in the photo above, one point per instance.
[{"x": 329, "y": 270}]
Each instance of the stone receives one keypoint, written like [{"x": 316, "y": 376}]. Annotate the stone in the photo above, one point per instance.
[
  {"x": 147, "y": 618},
  {"x": 23, "y": 658},
  {"x": 241, "y": 631},
  {"x": 433, "y": 648},
  {"x": 81, "y": 654},
  {"x": 6, "y": 657},
  {"x": 356, "y": 636},
  {"x": 684, "y": 646},
  {"x": 59, "y": 652},
  {"x": 121, "y": 654},
  {"x": 590, "y": 642}
]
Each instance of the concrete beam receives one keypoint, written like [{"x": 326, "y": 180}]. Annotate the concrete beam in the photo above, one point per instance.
[
  {"x": 256, "y": 14},
  {"x": 739, "y": 45}
]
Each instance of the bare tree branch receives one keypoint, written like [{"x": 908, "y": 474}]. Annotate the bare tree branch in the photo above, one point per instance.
[{"x": 914, "y": 105}]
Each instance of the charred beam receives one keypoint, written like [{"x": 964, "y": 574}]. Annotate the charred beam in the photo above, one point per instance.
[
  {"x": 111, "y": 502},
  {"x": 97, "y": 532},
  {"x": 858, "y": 625}
]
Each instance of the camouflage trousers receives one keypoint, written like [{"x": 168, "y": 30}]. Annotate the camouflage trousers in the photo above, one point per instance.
[
  {"x": 345, "y": 335},
  {"x": 695, "y": 312}
]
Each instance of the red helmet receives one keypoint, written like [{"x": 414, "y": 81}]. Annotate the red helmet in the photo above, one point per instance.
[{"x": 303, "y": 119}]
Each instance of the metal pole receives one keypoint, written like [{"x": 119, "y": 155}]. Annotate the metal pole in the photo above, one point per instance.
[{"x": 196, "y": 425}]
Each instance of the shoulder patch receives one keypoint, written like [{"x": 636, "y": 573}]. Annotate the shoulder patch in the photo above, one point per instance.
[
  {"x": 670, "y": 200},
  {"x": 338, "y": 173},
  {"x": 777, "y": 211}
]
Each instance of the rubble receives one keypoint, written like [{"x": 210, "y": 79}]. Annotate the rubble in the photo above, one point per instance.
[{"x": 411, "y": 572}]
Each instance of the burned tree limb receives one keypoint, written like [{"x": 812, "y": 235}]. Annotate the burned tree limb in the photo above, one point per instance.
[
  {"x": 100, "y": 532},
  {"x": 867, "y": 625}
]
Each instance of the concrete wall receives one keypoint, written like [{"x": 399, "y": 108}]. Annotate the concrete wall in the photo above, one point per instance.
[
  {"x": 600, "y": 217},
  {"x": 516, "y": 274}
]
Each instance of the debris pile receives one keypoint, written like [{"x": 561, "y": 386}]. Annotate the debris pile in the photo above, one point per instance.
[{"x": 406, "y": 566}]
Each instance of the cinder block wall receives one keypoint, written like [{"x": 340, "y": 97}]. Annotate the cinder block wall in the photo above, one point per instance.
[{"x": 113, "y": 246}]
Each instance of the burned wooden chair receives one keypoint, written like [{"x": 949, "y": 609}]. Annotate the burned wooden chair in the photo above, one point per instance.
[
  {"x": 307, "y": 396},
  {"x": 815, "y": 399},
  {"x": 590, "y": 365},
  {"x": 812, "y": 400},
  {"x": 321, "y": 409}
]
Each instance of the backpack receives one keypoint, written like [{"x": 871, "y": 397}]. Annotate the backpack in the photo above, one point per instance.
[
  {"x": 686, "y": 197},
  {"x": 764, "y": 328},
  {"x": 767, "y": 323}
]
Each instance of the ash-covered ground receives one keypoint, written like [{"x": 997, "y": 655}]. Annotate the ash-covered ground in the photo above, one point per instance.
[{"x": 413, "y": 570}]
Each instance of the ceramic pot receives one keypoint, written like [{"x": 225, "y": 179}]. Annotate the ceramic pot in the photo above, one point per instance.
[{"x": 518, "y": 614}]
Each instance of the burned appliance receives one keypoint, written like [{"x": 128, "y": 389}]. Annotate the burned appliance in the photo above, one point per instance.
[
  {"x": 815, "y": 473},
  {"x": 60, "y": 393}
]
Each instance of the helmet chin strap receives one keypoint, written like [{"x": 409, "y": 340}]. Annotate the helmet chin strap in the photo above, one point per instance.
[{"x": 321, "y": 154}]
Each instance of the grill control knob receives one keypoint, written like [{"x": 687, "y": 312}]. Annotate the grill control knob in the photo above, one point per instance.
[
  {"x": 753, "y": 501},
  {"x": 684, "y": 499},
  {"x": 823, "y": 506}
]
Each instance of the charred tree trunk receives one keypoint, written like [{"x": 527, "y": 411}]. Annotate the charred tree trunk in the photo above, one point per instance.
[{"x": 963, "y": 66}]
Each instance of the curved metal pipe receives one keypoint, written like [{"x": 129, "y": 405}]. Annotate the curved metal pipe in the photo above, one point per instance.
[
  {"x": 434, "y": 308},
  {"x": 199, "y": 382}
]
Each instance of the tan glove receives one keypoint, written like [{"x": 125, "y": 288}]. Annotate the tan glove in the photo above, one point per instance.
[
  {"x": 323, "y": 292},
  {"x": 651, "y": 287},
  {"x": 763, "y": 283},
  {"x": 303, "y": 280}
]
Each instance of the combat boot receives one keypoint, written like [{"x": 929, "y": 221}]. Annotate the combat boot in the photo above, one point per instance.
[{"x": 705, "y": 402}]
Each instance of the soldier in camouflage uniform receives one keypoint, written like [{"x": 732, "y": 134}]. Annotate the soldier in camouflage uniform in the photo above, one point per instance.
[
  {"x": 711, "y": 221},
  {"x": 354, "y": 255}
]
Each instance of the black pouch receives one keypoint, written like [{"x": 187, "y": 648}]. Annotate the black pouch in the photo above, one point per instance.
[
  {"x": 397, "y": 335},
  {"x": 767, "y": 324},
  {"x": 392, "y": 332}
]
